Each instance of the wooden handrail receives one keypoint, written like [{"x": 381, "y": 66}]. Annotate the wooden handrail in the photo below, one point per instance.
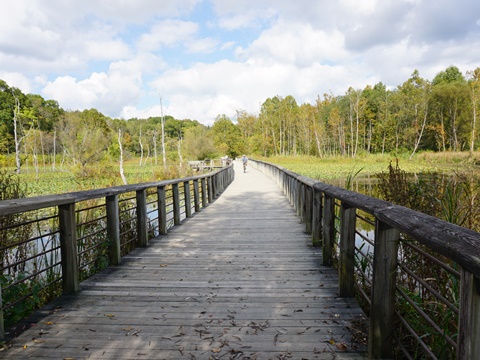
[
  {"x": 456, "y": 243},
  {"x": 212, "y": 185}
]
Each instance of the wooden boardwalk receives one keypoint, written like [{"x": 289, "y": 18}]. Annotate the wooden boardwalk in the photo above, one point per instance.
[{"x": 239, "y": 280}]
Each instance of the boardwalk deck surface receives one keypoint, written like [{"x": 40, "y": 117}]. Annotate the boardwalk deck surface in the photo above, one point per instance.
[{"x": 238, "y": 281}]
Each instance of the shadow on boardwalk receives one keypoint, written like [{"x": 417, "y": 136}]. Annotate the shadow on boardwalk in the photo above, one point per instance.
[{"x": 238, "y": 281}]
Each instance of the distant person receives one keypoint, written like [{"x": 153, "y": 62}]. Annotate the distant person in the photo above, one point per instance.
[{"x": 244, "y": 162}]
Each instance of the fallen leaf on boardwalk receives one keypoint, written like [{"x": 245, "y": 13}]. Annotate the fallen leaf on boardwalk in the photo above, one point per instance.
[
  {"x": 341, "y": 346},
  {"x": 24, "y": 346},
  {"x": 163, "y": 265},
  {"x": 48, "y": 323},
  {"x": 331, "y": 341},
  {"x": 216, "y": 350},
  {"x": 110, "y": 315}
]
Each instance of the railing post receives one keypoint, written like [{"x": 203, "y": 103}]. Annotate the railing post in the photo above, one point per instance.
[
  {"x": 176, "y": 204},
  {"x": 298, "y": 198},
  {"x": 162, "y": 210},
  {"x": 328, "y": 227},
  {"x": 316, "y": 217},
  {"x": 68, "y": 248},
  {"x": 287, "y": 188},
  {"x": 291, "y": 191},
  {"x": 383, "y": 291},
  {"x": 348, "y": 217},
  {"x": 188, "y": 199},
  {"x": 210, "y": 190},
  {"x": 308, "y": 208},
  {"x": 468, "y": 346},
  {"x": 142, "y": 223},
  {"x": 216, "y": 185},
  {"x": 196, "y": 196},
  {"x": 222, "y": 182},
  {"x": 113, "y": 229},
  {"x": 301, "y": 201},
  {"x": 204, "y": 193}
]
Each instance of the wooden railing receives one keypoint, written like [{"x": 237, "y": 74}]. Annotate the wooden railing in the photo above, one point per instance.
[
  {"x": 403, "y": 240},
  {"x": 50, "y": 243}
]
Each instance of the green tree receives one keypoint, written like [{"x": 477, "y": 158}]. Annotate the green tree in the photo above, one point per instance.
[
  {"x": 450, "y": 97},
  {"x": 198, "y": 144},
  {"x": 474, "y": 86},
  {"x": 84, "y": 136},
  {"x": 227, "y": 137}
]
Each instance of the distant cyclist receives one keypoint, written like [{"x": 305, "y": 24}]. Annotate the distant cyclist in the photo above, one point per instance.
[{"x": 244, "y": 162}]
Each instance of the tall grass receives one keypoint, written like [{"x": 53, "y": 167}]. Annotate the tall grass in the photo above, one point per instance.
[{"x": 100, "y": 175}]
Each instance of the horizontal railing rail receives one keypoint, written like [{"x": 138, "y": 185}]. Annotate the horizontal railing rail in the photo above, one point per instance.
[
  {"x": 49, "y": 244},
  {"x": 415, "y": 275}
]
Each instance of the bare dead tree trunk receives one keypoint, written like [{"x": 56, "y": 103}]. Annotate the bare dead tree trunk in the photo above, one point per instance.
[
  {"x": 417, "y": 143},
  {"x": 163, "y": 135},
  {"x": 122, "y": 174},
  {"x": 474, "y": 121},
  {"x": 141, "y": 146},
  {"x": 16, "y": 111},
  {"x": 54, "y": 149},
  {"x": 179, "y": 149}
]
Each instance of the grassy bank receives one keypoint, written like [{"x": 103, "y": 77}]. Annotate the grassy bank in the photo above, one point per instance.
[
  {"x": 64, "y": 179},
  {"x": 334, "y": 168},
  {"x": 67, "y": 178}
]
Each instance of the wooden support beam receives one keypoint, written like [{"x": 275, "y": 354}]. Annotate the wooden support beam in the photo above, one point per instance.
[
  {"x": 380, "y": 341},
  {"x": 142, "y": 221},
  {"x": 162, "y": 210},
  {"x": 348, "y": 217},
  {"x": 68, "y": 248},
  {"x": 113, "y": 230}
]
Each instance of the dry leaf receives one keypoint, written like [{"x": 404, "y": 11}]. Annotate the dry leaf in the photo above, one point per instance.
[
  {"x": 216, "y": 350},
  {"x": 109, "y": 315},
  {"x": 341, "y": 346}
]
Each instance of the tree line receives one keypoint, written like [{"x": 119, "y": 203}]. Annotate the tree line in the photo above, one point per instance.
[
  {"x": 418, "y": 115},
  {"x": 39, "y": 132}
]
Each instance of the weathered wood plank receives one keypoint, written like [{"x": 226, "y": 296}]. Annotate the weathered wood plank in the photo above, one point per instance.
[{"x": 238, "y": 280}]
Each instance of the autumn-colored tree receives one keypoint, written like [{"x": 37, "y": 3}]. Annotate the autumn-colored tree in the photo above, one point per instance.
[{"x": 84, "y": 136}]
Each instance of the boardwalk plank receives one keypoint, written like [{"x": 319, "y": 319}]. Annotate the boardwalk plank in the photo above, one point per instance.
[{"x": 239, "y": 280}]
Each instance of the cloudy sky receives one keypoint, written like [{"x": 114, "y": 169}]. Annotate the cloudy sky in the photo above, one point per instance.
[{"x": 211, "y": 57}]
